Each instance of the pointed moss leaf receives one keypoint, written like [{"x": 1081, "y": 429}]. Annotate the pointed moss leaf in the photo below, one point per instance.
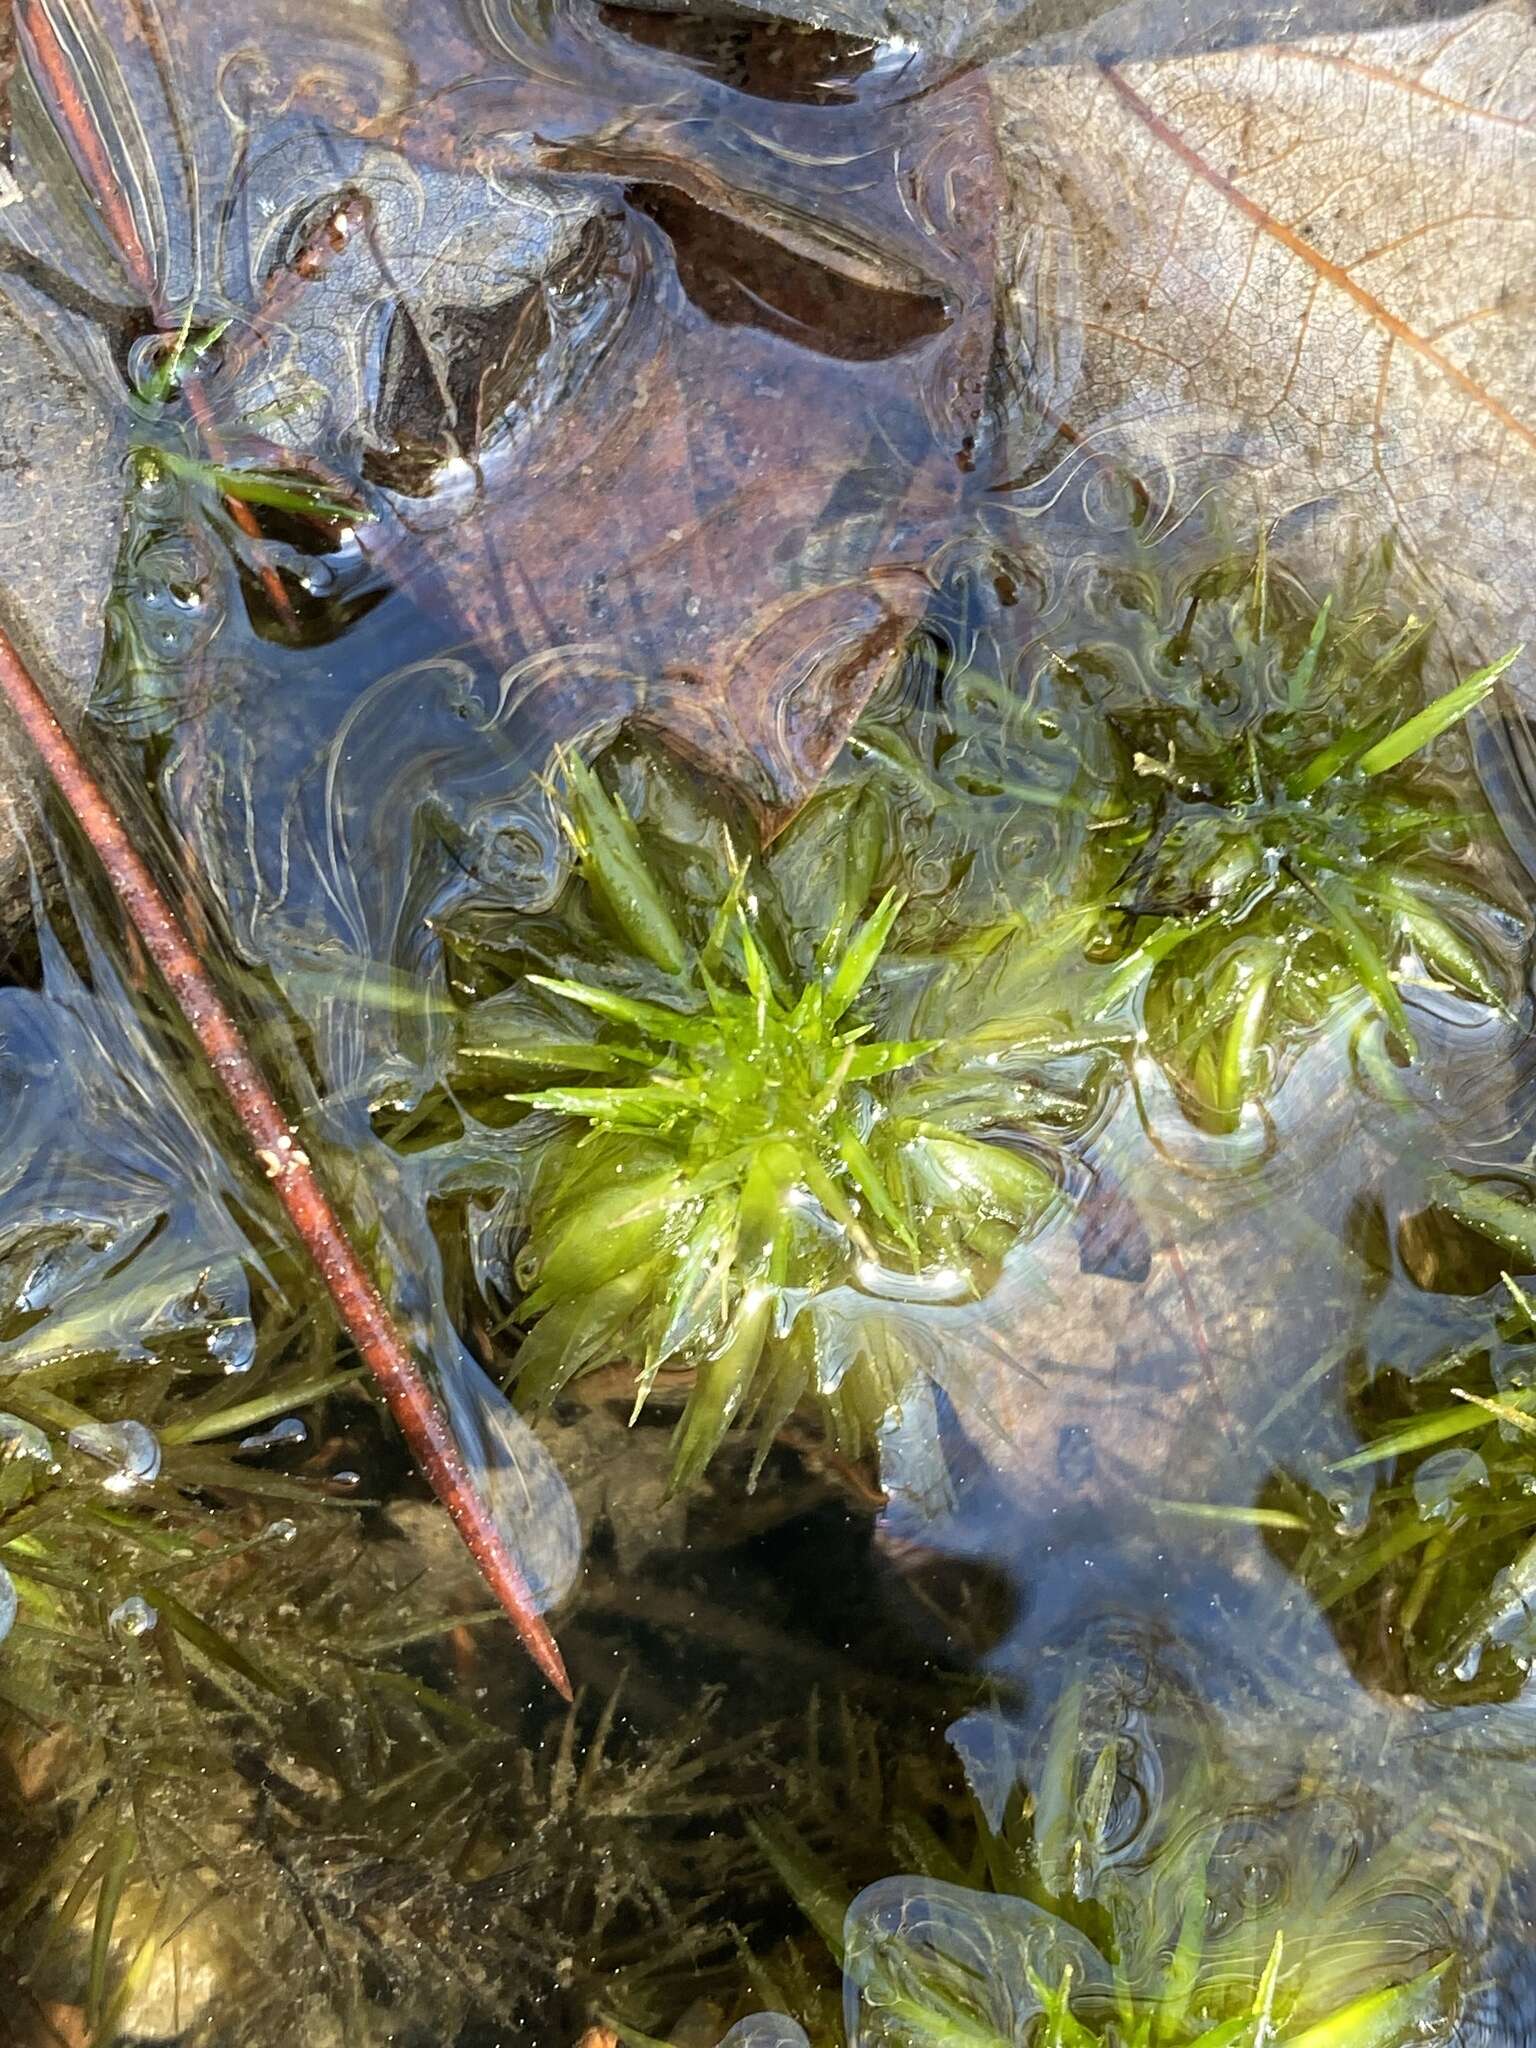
[
  {"x": 1332, "y": 760},
  {"x": 1301, "y": 676},
  {"x": 759, "y": 981},
  {"x": 961, "y": 1172},
  {"x": 1245, "y": 1032},
  {"x": 885, "y": 1057},
  {"x": 859, "y": 961},
  {"x": 1503, "y": 1219},
  {"x": 606, "y": 1237},
  {"x": 1505, "y": 1411},
  {"x": 1438, "y": 1426},
  {"x": 299, "y": 494},
  {"x": 638, "y": 1108},
  {"x": 616, "y": 870},
  {"x": 1380, "y": 2019},
  {"x": 654, "y": 1020},
  {"x": 1365, "y": 957},
  {"x": 1128, "y": 974},
  {"x": 294, "y": 494},
  {"x": 1437, "y": 717},
  {"x": 1439, "y": 944},
  {"x": 121, "y": 1850},
  {"x": 725, "y": 1382},
  {"x": 578, "y": 1332},
  {"x": 552, "y": 1056},
  {"x": 215, "y": 1647},
  {"x": 698, "y": 1297},
  {"x": 870, "y": 1182},
  {"x": 1521, "y": 1299},
  {"x": 812, "y": 1885}
]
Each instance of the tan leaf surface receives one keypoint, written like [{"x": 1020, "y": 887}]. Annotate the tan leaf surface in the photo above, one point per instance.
[
  {"x": 1303, "y": 277},
  {"x": 731, "y": 493}
]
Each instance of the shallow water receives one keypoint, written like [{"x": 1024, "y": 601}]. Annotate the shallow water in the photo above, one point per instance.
[{"x": 907, "y": 460}]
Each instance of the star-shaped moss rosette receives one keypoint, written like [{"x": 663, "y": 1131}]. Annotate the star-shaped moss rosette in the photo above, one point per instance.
[
  {"x": 1290, "y": 840},
  {"x": 725, "y": 1125}
]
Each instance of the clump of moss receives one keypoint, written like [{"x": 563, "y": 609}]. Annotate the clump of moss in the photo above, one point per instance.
[
  {"x": 1121, "y": 1879},
  {"x": 1292, "y": 842},
  {"x": 998, "y": 777},
  {"x": 259, "y": 1809},
  {"x": 728, "y": 1119},
  {"x": 1430, "y": 1584},
  {"x": 1243, "y": 797},
  {"x": 243, "y": 1792}
]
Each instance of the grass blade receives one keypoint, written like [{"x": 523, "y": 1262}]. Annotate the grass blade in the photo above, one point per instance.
[{"x": 1438, "y": 716}]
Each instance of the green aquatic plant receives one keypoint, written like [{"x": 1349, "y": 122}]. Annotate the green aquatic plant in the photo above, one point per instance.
[
  {"x": 207, "y": 493},
  {"x": 725, "y": 1124},
  {"x": 238, "y": 1776},
  {"x": 1118, "y": 1880},
  {"x": 263, "y": 1797},
  {"x": 1429, "y": 1578},
  {"x": 997, "y": 778},
  {"x": 1292, "y": 839}
]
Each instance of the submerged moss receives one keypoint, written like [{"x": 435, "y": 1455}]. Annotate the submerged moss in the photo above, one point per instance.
[
  {"x": 1120, "y": 1879},
  {"x": 733, "y": 1119},
  {"x": 243, "y": 1794},
  {"x": 1240, "y": 790},
  {"x": 1291, "y": 846},
  {"x": 1431, "y": 1583}
]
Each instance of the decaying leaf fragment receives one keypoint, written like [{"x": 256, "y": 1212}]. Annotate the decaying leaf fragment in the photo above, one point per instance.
[{"x": 1298, "y": 275}]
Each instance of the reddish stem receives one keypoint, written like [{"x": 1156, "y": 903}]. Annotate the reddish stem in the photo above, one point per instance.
[
  {"x": 7, "y": 72},
  {"x": 362, "y": 1310},
  {"x": 238, "y": 510},
  {"x": 90, "y": 153}
]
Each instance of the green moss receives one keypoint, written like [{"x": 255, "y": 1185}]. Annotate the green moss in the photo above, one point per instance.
[
  {"x": 729, "y": 1120},
  {"x": 1430, "y": 1583},
  {"x": 1123, "y": 1878},
  {"x": 1292, "y": 846},
  {"x": 1245, "y": 795}
]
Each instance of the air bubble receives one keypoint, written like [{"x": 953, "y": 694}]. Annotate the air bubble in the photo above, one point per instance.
[
  {"x": 1441, "y": 1479},
  {"x": 22, "y": 1439},
  {"x": 233, "y": 1344},
  {"x": 132, "y": 1617},
  {"x": 289, "y": 1431},
  {"x": 129, "y": 1448},
  {"x": 7, "y": 1603},
  {"x": 282, "y": 1531}
]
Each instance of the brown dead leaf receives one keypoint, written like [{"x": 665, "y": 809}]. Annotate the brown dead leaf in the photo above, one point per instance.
[
  {"x": 772, "y": 427},
  {"x": 1301, "y": 277}
]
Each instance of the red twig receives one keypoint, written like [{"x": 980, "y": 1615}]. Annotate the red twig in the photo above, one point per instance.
[
  {"x": 7, "y": 71},
  {"x": 89, "y": 151},
  {"x": 378, "y": 1339}
]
